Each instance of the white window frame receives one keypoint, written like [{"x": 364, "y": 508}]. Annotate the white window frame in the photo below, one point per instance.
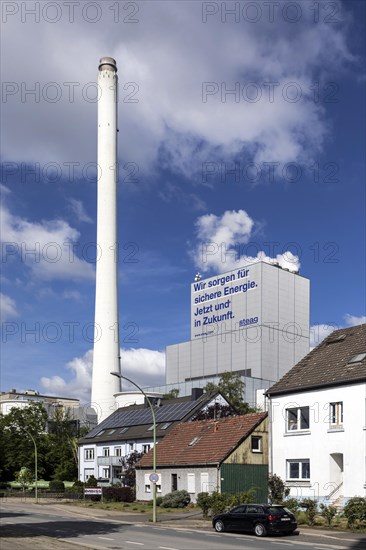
[
  {"x": 89, "y": 454},
  {"x": 118, "y": 451},
  {"x": 296, "y": 426},
  {"x": 336, "y": 413},
  {"x": 259, "y": 438},
  {"x": 106, "y": 451},
  {"x": 88, "y": 475},
  {"x": 304, "y": 466},
  {"x": 106, "y": 473},
  {"x": 146, "y": 447}
]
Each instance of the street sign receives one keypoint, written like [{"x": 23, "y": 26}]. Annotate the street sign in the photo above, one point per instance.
[
  {"x": 154, "y": 478},
  {"x": 93, "y": 490}
]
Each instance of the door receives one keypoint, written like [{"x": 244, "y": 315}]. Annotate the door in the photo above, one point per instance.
[
  {"x": 236, "y": 519},
  {"x": 174, "y": 482}
]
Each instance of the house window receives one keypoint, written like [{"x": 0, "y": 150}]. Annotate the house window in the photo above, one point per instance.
[
  {"x": 336, "y": 413},
  {"x": 118, "y": 451},
  {"x": 298, "y": 469},
  {"x": 105, "y": 451},
  {"x": 357, "y": 358},
  {"x": 124, "y": 430},
  {"x": 256, "y": 444},
  {"x": 158, "y": 488},
  {"x": 106, "y": 473},
  {"x": 174, "y": 482},
  {"x": 146, "y": 448},
  {"x": 298, "y": 419},
  {"x": 89, "y": 454},
  {"x": 131, "y": 446},
  {"x": 194, "y": 440},
  {"x": 150, "y": 428},
  {"x": 88, "y": 472},
  {"x": 147, "y": 484},
  {"x": 165, "y": 426}
]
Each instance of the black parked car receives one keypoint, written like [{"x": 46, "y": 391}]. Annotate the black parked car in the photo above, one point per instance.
[{"x": 258, "y": 518}]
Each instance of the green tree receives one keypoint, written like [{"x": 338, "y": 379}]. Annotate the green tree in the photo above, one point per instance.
[
  {"x": 172, "y": 394},
  {"x": 24, "y": 477},
  {"x": 62, "y": 456},
  {"x": 232, "y": 387},
  {"x": 277, "y": 489},
  {"x": 16, "y": 444}
]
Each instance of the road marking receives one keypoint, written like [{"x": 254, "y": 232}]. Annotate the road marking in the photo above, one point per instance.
[
  {"x": 131, "y": 542},
  {"x": 167, "y": 548},
  {"x": 105, "y": 538},
  {"x": 282, "y": 543}
]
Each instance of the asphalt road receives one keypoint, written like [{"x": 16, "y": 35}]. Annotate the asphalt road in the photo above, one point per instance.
[{"x": 26, "y": 525}]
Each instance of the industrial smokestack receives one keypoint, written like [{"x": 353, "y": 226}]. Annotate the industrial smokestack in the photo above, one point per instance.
[{"x": 106, "y": 337}]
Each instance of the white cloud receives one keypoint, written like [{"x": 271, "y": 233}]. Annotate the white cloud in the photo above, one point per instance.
[
  {"x": 220, "y": 240},
  {"x": 352, "y": 320},
  {"x": 47, "y": 248},
  {"x": 78, "y": 209},
  {"x": 72, "y": 295},
  {"x": 319, "y": 332},
  {"x": 167, "y": 71},
  {"x": 146, "y": 367},
  {"x": 8, "y": 307}
]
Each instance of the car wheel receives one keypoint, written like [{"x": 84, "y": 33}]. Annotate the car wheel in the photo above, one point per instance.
[
  {"x": 219, "y": 526},
  {"x": 260, "y": 530}
]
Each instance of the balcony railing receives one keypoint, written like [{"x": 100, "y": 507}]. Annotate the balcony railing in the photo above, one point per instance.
[{"x": 110, "y": 461}]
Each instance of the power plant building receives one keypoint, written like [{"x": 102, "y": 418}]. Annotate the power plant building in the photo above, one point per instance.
[{"x": 253, "y": 321}]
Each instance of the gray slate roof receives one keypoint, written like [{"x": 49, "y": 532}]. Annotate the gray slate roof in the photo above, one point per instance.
[{"x": 328, "y": 364}]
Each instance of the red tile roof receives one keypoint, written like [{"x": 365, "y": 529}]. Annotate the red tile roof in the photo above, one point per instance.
[{"x": 215, "y": 441}]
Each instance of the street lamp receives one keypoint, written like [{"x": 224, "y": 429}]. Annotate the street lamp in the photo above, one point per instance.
[
  {"x": 154, "y": 434},
  {"x": 35, "y": 463}
]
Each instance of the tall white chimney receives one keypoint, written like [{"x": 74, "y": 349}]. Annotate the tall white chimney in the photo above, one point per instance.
[{"x": 106, "y": 334}]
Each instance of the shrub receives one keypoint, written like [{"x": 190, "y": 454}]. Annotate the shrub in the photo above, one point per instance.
[
  {"x": 277, "y": 489},
  {"x": 328, "y": 513},
  {"x": 221, "y": 501},
  {"x": 92, "y": 482},
  {"x": 159, "y": 500},
  {"x": 56, "y": 486},
  {"x": 311, "y": 507},
  {"x": 293, "y": 504},
  {"x": 355, "y": 510},
  {"x": 78, "y": 487},
  {"x": 118, "y": 494},
  {"x": 204, "y": 502},
  {"x": 246, "y": 497},
  {"x": 176, "y": 499},
  {"x": 301, "y": 518}
]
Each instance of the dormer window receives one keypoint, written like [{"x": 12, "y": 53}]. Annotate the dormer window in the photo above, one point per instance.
[
  {"x": 357, "y": 358},
  {"x": 194, "y": 441}
]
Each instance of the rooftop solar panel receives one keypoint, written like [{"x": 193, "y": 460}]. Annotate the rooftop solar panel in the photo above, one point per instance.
[{"x": 165, "y": 413}]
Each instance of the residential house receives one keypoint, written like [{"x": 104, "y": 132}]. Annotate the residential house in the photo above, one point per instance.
[
  {"x": 318, "y": 420},
  {"x": 228, "y": 455},
  {"x": 103, "y": 451}
]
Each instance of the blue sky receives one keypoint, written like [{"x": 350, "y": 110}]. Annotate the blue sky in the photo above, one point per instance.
[{"x": 276, "y": 95}]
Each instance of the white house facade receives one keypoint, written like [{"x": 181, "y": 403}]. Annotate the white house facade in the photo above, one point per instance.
[{"x": 318, "y": 421}]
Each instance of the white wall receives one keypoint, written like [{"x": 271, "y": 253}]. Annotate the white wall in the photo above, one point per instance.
[
  {"x": 320, "y": 441},
  {"x": 193, "y": 480},
  {"x": 126, "y": 446}
]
